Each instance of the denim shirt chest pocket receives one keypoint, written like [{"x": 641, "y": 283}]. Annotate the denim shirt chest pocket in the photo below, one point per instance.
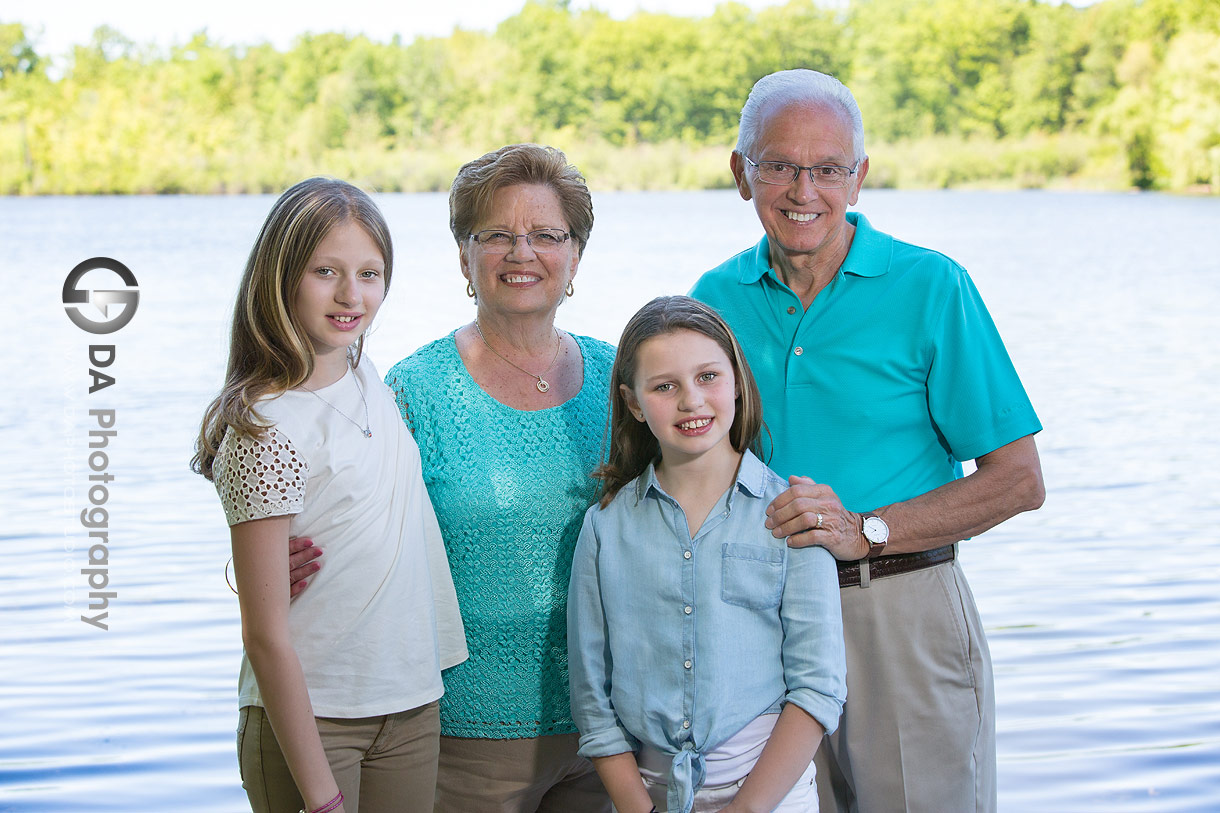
[{"x": 753, "y": 576}]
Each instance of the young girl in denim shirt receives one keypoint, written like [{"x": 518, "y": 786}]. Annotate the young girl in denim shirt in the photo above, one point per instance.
[{"x": 706, "y": 656}]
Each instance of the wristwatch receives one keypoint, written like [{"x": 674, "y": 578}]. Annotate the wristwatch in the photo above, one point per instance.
[{"x": 876, "y": 533}]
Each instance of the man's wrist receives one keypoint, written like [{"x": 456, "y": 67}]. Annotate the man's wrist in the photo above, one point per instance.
[{"x": 875, "y": 533}]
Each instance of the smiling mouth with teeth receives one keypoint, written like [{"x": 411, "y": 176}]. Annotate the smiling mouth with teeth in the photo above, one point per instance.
[
  {"x": 695, "y": 424},
  {"x": 517, "y": 279},
  {"x": 343, "y": 318},
  {"x": 801, "y": 217}
]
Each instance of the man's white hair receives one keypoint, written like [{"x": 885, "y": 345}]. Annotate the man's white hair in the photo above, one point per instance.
[{"x": 799, "y": 86}]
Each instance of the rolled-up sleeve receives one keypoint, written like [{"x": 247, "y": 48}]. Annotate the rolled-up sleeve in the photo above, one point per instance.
[
  {"x": 815, "y": 666},
  {"x": 589, "y": 660}
]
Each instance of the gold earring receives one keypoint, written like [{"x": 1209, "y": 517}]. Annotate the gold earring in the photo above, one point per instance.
[
  {"x": 470, "y": 289},
  {"x": 569, "y": 290}
]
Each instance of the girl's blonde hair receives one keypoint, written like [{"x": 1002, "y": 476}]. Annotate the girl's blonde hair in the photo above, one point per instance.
[
  {"x": 269, "y": 350},
  {"x": 632, "y": 444}
]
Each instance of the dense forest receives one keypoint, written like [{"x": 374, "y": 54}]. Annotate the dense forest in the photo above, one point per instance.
[{"x": 1000, "y": 93}]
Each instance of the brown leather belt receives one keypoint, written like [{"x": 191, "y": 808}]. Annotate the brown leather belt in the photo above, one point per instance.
[{"x": 882, "y": 566}]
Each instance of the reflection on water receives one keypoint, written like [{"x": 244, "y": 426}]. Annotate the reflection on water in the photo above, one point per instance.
[{"x": 1102, "y": 607}]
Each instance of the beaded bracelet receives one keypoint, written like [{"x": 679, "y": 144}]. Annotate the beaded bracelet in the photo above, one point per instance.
[{"x": 333, "y": 804}]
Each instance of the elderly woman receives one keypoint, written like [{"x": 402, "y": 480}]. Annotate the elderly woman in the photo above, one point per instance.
[{"x": 509, "y": 412}]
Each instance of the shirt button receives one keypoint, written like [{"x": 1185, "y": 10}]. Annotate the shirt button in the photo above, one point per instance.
[
  {"x": 685, "y": 554},
  {"x": 799, "y": 350},
  {"x": 687, "y": 664},
  {"x": 687, "y": 609},
  {"x": 791, "y": 309},
  {"x": 686, "y": 723}
]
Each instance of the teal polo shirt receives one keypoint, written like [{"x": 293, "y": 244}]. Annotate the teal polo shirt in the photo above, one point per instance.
[{"x": 894, "y": 375}]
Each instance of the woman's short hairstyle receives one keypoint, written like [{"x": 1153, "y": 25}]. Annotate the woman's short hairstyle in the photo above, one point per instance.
[
  {"x": 632, "y": 444},
  {"x": 799, "y": 86},
  {"x": 477, "y": 181},
  {"x": 269, "y": 349}
]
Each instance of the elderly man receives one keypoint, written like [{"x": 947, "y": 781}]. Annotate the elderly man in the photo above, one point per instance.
[{"x": 880, "y": 370}]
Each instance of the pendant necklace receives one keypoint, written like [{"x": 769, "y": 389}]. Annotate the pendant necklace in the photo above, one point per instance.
[
  {"x": 367, "y": 429},
  {"x": 542, "y": 385}
]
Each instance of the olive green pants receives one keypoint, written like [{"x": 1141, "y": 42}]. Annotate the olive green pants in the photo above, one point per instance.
[
  {"x": 382, "y": 764},
  {"x": 532, "y": 775}
]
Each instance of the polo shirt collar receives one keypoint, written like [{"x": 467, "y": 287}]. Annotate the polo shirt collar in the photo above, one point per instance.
[{"x": 869, "y": 255}]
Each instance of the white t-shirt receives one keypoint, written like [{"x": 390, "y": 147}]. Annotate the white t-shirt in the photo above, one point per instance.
[
  {"x": 380, "y": 619},
  {"x": 731, "y": 761}
]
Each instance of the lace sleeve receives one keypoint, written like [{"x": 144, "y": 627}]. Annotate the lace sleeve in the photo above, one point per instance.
[{"x": 259, "y": 477}]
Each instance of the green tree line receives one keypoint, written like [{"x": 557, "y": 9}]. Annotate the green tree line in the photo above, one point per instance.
[{"x": 1020, "y": 93}]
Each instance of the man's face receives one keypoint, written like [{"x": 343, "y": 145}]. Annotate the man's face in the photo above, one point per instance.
[{"x": 800, "y": 218}]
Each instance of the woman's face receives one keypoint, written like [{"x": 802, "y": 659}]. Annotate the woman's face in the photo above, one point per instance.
[{"x": 525, "y": 280}]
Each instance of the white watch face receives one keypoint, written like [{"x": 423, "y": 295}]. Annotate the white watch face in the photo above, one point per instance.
[{"x": 875, "y": 530}]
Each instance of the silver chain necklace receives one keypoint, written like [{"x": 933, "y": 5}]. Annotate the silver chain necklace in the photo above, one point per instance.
[
  {"x": 542, "y": 385},
  {"x": 367, "y": 429}
]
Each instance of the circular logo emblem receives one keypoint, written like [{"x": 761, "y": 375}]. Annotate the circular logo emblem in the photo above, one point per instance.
[{"x": 102, "y": 300}]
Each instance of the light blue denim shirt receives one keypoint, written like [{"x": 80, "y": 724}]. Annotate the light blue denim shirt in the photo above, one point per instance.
[{"x": 679, "y": 643}]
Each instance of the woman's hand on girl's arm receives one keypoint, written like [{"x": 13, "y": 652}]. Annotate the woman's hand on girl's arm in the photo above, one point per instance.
[
  {"x": 301, "y": 564},
  {"x": 260, "y": 558},
  {"x": 621, "y": 775},
  {"x": 787, "y": 754}
]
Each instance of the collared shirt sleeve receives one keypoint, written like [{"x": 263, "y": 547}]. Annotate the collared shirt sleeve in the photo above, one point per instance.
[
  {"x": 815, "y": 670},
  {"x": 590, "y": 663},
  {"x": 974, "y": 394}
]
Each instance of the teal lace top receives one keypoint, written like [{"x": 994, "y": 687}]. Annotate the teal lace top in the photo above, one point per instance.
[{"x": 510, "y": 489}]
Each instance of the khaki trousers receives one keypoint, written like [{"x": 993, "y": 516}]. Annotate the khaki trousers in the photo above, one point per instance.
[
  {"x": 534, "y": 775},
  {"x": 384, "y": 764},
  {"x": 917, "y": 734}
]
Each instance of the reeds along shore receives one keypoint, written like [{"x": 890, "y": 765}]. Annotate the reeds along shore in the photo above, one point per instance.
[{"x": 999, "y": 93}]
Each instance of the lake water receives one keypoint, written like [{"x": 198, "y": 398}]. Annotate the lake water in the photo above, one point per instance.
[{"x": 1103, "y": 608}]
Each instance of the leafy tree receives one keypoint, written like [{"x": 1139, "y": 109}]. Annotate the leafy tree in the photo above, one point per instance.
[
  {"x": 1189, "y": 83},
  {"x": 1123, "y": 90}
]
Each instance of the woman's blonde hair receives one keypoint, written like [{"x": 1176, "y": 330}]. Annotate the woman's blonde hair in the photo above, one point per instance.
[
  {"x": 632, "y": 444},
  {"x": 269, "y": 350}
]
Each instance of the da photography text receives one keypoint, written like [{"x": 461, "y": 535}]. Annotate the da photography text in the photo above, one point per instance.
[{"x": 116, "y": 305}]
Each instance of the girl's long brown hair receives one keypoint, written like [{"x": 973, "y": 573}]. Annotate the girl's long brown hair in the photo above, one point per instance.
[
  {"x": 269, "y": 351},
  {"x": 632, "y": 444}
]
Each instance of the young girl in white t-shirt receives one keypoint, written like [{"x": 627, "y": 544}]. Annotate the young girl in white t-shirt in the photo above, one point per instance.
[
  {"x": 338, "y": 687},
  {"x": 706, "y": 657}
]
